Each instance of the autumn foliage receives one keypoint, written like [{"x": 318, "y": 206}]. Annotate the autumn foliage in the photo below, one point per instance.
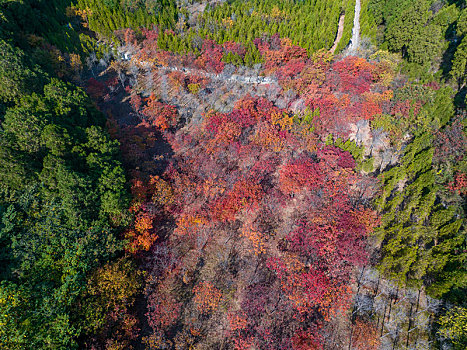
[
  {"x": 243, "y": 188},
  {"x": 158, "y": 114},
  {"x": 254, "y": 229}
]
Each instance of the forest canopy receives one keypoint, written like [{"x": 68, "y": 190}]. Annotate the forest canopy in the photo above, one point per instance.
[{"x": 233, "y": 174}]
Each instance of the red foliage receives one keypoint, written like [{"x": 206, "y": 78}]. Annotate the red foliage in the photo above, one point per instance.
[
  {"x": 160, "y": 115},
  {"x": 451, "y": 143},
  {"x": 95, "y": 89},
  {"x": 246, "y": 193},
  {"x": 356, "y": 74},
  {"x": 237, "y": 321},
  {"x": 236, "y": 48},
  {"x": 199, "y": 80},
  {"x": 211, "y": 57},
  {"x": 177, "y": 78},
  {"x": 406, "y": 108},
  {"x": 242, "y": 181},
  {"x": 207, "y": 297},
  {"x": 305, "y": 340},
  {"x": 300, "y": 174},
  {"x": 163, "y": 310},
  {"x": 459, "y": 185},
  {"x": 335, "y": 157},
  {"x": 149, "y": 45},
  {"x": 370, "y": 109},
  {"x": 290, "y": 70},
  {"x": 289, "y": 59},
  {"x": 136, "y": 102},
  {"x": 130, "y": 37}
]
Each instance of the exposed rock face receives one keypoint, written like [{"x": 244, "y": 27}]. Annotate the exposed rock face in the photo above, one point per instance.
[
  {"x": 376, "y": 143},
  {"x": 298, "y": 106}
]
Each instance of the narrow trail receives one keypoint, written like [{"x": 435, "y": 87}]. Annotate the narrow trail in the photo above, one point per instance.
[
  {"x": 259, "y": 80},
  {"x": 355, "y": 41},
  {"x": 340, "y": 31},
  {"x": 234, "y": 77}
]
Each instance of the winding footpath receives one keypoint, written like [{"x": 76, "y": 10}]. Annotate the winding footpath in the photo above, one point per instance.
[
  {"x": 260, "y": 80},
  {"x": 340, "y": 31}
]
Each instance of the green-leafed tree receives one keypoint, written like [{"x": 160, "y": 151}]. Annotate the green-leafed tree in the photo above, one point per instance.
[
  {"x": 453, "y": 326},
  {"x": 422, "y": 238}
]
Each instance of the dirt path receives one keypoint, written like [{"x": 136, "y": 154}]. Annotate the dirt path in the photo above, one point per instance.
[
  {"x": 355, "y": 41},
  {"x": 259, "y": 80},
  {"x": 340, "y": 31}
]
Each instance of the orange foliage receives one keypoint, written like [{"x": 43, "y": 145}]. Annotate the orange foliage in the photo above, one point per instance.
[
  {"x": 256, "y": 239},
  {"x": 213, "y": 187},
  {"x": 283, "y": 120},
  {"x": 142, "y": 236},
  {"x": 368, "y": 218},
  {"x": 161, "y": 115},
  {"x": 177, "y": 79},
  {"x": 237, "y": 321},
  {"x": 187, "y": 224},
  {"x": 207, "y": 297},
  {"x": 365, "y": 336},
  {"x": 246, "y": 193},
  {"x": 228, "y": 133},
  {"x": 143, "y": 223},
  {"x": 244, "y": 343},
  {"x": 267, "y": 136}
]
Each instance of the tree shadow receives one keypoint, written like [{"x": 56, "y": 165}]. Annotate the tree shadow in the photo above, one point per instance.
[{"x": 448, "y": 55}]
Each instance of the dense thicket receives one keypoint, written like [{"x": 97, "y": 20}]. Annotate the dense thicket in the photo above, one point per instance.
[
  {"x": 310, "y": 24},
  {"x": 62, "y": 191},
  {"x": 105, "y": 17},
  {"x": 423, "y": 232},
  {"x": 422, "y": 228},
  {"x": 425, "y": 32},
  {"x": 49, "y": 31}
]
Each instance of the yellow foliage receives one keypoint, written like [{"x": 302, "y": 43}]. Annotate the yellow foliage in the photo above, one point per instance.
[
  {"x": 276, "y": 13},
  {"x": 75, "y": 62},
  {"x": 187, "y": 223},
  {"x": 286, "y": 42},
  {"x": 377, "y": 97},
  {"x": 194, "y": 88},
  {"x": 228, "y": 22},
  {"x": 283, "y": 120},
  {"x": 115, "y": 284},
  {"x": 163, "y": 193}
]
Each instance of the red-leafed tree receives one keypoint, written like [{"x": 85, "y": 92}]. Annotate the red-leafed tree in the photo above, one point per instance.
[
  {"x": 355, "y": 74},
  {"x": 158, "y": 114},
  {"x": 299, "y": 175},
  {"x": 211, "y": 57},
  {"x": 96, "y": 89}
]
